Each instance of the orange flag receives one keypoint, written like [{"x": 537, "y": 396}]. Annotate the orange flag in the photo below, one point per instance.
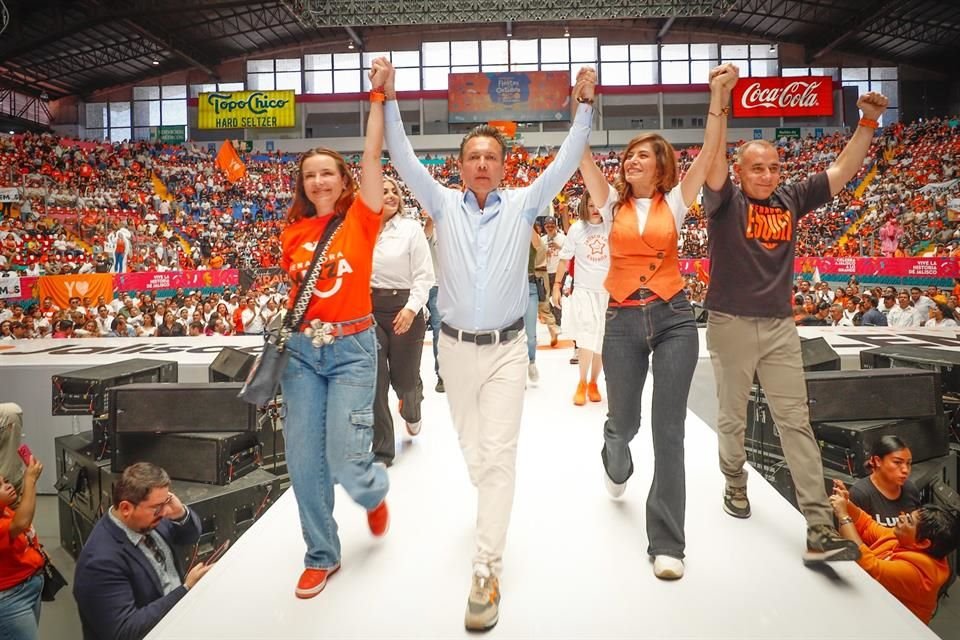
[
  {"x": 62, "y": 288},
  {"x": 507, "y": 128},
  {"x": 230, "y": 162}
]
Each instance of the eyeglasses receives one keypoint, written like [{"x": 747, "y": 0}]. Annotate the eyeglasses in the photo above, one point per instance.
[
  {"x": 157, "y": 510},
  {"x": 154, "y": 549}
]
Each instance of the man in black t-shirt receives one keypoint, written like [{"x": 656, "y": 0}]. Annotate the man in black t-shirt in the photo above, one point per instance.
[{"x": 752, "y": 235}]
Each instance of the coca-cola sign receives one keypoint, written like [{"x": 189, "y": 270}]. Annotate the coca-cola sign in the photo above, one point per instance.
[{"x": 776, "y": 97}]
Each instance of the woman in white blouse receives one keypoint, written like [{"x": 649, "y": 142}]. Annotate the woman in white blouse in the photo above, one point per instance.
[
  {"x": 400, "y": 286},
  {"x": 941, "y": 316}
]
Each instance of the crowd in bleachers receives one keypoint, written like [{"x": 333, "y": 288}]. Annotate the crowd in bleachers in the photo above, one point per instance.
[{"x": 178, "y": 211}]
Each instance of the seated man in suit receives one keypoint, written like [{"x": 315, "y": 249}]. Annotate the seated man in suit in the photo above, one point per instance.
[{"x": 127, "y": 575}]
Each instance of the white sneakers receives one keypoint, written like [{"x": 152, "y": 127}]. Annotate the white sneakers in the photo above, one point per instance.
[
  {"x": 615, "y": 490},
  {"x": 532, "y": 373},
  {"x": 668, "y": 567}
]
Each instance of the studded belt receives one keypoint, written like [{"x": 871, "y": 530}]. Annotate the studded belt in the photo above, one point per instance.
[{"x": 323, "y": 333}]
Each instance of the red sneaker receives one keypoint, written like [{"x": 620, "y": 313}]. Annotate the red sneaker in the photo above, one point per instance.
[
  {"x": 379, "y": 519},
  {"x": 312, "y": 581}
]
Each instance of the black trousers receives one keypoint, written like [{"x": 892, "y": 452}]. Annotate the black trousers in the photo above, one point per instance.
[{"x": 398, "y": 365}]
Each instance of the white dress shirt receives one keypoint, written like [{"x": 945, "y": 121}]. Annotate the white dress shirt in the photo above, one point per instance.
[
  {"x": 401, "y": 260},
  {"x": 483, "y": 253}
]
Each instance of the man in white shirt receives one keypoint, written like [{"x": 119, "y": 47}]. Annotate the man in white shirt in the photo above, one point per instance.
[
  {"x": 483, "y": 247},
  {"x": 902, "y": 315},
  {"x": 553, "y": 241},
  {"x": 921, "y": 306},
  {"x": 251, "y": 318}
]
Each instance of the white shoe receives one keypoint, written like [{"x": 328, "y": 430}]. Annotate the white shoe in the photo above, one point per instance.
[
  {"x": 413, "y": 428},
  {"x": 532, "y": 373},
  {"x": 668, "y": 567},
  {"x": 615, "y": 490}
]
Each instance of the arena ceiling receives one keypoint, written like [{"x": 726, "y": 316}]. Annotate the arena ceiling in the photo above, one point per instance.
[{"x": 57, "y": 48}]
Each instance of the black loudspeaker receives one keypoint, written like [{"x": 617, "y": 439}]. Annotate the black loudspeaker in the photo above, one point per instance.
[
  {"x": 75, "y": 527},
  {"x": 231, "y": 365},
  {"x": 182, "y": 407},
  {"x": 873, "y": 394},
  {"x": 818, "y": 355},
  {"x": 853, "y": 441},
  {"x": 78, "y": 463},
  {"x": 215, "y": 458},
  {"x": 946, "y": 362},
  {"x": 84, "y": 391}
]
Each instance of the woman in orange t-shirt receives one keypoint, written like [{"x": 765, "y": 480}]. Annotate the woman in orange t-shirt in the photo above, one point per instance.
[
  {"x": 328, "y": 386},
  {"x": 21, "y": 580}
]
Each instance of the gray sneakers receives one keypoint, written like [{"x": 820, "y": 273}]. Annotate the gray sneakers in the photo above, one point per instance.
[
  {"x": 825, "y": 544},
  {"x": 735, "y": 502},
  {"x": 483, "y": 606}
]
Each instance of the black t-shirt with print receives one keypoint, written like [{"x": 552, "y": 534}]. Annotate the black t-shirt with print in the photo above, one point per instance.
[
  {"x": 865, "y": 495},
  {"x": 751, "y": 246}
]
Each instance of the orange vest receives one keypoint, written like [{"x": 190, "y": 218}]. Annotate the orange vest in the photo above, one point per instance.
[{"x": 644, "y": 261}]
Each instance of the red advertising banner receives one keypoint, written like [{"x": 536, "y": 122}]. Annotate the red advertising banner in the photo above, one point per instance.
[
  {"x": 143, "y": 282},
  {"x": 781, "y": 97},
  {"x": 516, "y": 96},
  {"x": 931, "y": 269}
]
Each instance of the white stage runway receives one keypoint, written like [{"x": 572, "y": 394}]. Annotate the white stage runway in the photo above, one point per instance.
[{"x": 575, "y": 564}]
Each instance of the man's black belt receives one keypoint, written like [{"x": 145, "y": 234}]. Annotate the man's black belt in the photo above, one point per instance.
[
  {"x": 481, "y": 338},
  {"x": 533, "y": 278}
]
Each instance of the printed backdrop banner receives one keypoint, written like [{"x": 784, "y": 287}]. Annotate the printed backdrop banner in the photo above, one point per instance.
[
  {"x": 62, "y": 288},
  {"x": 517, "y": 96},
  {"x": 894, "y": 268},
  {"x": 151, "y": 280},
  {"x": 9, "y": 194},
  {"x": 10, "y": 285}
]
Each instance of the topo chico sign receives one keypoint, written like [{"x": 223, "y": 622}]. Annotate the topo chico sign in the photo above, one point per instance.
[
  {"x": 776, "y": 97},
  {"x": 246, "y": 110}
]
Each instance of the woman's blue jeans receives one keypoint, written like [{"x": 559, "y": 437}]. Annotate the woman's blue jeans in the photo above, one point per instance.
[
  {"x": 20, "y": 610},
  {"x": 328, "y": 395},
  {"x": 666, "y": 331}
]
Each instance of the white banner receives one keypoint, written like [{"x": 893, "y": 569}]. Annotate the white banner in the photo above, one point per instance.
[
  {"x": 9, "y": 285},
  {"x": 9, "y": 194}
]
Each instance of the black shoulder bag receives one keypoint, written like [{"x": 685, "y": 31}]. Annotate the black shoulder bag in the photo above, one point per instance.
[{"x": 263, "y": 380}]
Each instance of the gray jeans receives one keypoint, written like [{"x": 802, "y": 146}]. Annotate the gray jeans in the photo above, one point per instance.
[{"x": 740, "y": 346}]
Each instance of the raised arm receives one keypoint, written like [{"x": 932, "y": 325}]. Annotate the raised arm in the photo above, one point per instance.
[
  {"x": 371, "y": 169},
  {"x": 427, "y": 190},
  {"x": 722, "y": 80},
  {"x": 593, "y": 179},
  {"x": 551, "y": 181},
  {"x": 845, "y": 167}
]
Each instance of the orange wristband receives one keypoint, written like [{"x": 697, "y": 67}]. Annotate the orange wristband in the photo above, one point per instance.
[
  {"x": 377, "y": 95},
  {"x": 869, "y": 122}
]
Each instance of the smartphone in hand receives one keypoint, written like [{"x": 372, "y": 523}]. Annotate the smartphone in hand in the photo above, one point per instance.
[
  {"x": 218, "y": 552},
  {"x": 25, "y": 454}
]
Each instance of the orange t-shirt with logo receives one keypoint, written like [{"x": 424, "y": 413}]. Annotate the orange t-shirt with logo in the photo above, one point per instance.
[{"x": 343, "y": 288}]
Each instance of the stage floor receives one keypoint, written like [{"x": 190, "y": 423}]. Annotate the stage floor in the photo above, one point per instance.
[{"x": 575, "y": 564}]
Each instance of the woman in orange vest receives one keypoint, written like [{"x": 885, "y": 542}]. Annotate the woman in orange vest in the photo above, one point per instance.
[{"x": 649, "y": 317}]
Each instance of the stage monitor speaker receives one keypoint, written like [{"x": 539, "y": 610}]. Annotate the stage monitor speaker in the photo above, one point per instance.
[
  {"x": 946, "y": 362},
  {"x": 84, "y": 391},
  {"x": 215, "y": 458},
  {"x": 231, "y": 365},
  {"x": 873, "y": 394},
  {"x": 182, "y": 407},
  {"x": 818, "y": 355}
]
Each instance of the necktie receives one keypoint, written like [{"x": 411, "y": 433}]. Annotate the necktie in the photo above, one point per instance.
[{"x": 155, "y": 549}]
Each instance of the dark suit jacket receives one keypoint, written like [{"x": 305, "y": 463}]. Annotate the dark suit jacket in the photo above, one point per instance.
[{"x": 117, "y": 591}]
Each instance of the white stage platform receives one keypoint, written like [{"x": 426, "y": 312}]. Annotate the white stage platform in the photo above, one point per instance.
[
  {"x": 27, "y": 366},
  {"x": 575, "y": 565}
]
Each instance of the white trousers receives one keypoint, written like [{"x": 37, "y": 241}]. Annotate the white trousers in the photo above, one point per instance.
[{"x": 485, "y": 387}]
